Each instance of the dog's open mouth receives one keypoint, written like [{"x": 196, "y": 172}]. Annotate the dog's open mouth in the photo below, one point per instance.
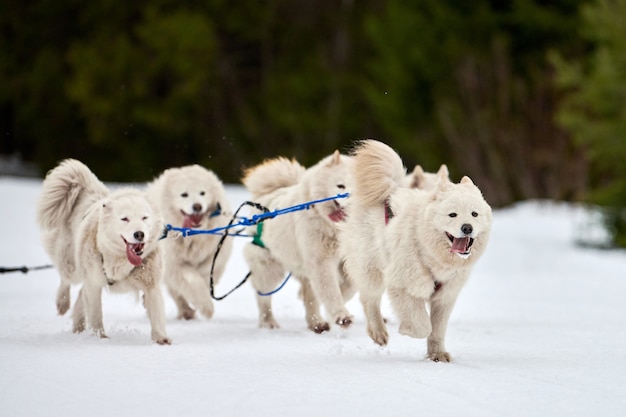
[
  {"x": 338, "y": 215},
  {"x": 461, "y": 245},
  {"x": 192, "y": 220},
  {"x": 134, "y": 252}
]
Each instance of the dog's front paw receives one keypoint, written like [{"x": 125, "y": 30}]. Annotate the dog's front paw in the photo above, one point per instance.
[
  {"x": 63, "y": 300},
  {"x": 207, "y": 311},
  {"x": 100, "y": 333},
  {"x": 79, "y": 326},
  {"x": 320, "y": 327},
  {"x": 440, "y": 357},
  {"x": 379, "y": 336},
  {"x": 416, "y": 330},
  {"x": 344, "y": 321},
  {"x": 163, "y": 341},
  {"x": 186, "y": 314},
  {"x": 63, "y": 305},
  {"x": 268, "y": 323}
]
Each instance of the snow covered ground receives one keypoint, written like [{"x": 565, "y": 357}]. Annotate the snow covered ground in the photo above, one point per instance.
[{"x": 540, "y": 330}]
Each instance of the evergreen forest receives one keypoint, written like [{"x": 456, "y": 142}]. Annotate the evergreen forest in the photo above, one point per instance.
[{"x": 527, "y": 97}]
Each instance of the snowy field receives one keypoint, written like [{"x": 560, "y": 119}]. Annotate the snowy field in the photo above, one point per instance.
[{"x": 539, "y": 330}]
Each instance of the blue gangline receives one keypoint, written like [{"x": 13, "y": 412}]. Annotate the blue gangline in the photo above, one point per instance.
[{"x": 245, "y": 221}]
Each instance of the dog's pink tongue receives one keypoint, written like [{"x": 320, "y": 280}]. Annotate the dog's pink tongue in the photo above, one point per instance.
[
  {"x": 192, "y": 220},
  {"x": 133, "y": 258},
  {"x": 337, "y": 215},
  {"x": 459, "y": 244}
]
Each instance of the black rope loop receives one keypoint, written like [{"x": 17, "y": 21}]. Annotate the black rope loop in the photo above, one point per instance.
[
  {"x": 219, "y": 248},
  {"x": 24, "y": 269}
]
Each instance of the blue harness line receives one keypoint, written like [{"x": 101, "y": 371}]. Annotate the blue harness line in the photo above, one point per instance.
[
  {"x": 280, "y": 287},
  {"x": 257, "y": 220},
  {"x": 247, "y": 221}
]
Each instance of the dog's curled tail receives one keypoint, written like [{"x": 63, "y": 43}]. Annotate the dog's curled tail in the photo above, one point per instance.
[
  {"x": 62, "y": 188},
  {"x": 272, "y": 175},
  {"x": 378, "y": 171}
]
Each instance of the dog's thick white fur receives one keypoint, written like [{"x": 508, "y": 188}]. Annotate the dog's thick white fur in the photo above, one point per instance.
[
  {"x": 303, "y": 242},
  {"x": 101, "y": 239},
  {"x": 425, "y": 253},
  {"x": 192, "y": 196}
]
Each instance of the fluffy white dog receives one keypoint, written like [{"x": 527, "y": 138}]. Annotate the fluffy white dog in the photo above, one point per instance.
[
  {"x": 192, "y": 197},
  {"x": 101, "y": 239},
  {"x": 304, "y": 242},
  {"x": 418, "y": 245}
]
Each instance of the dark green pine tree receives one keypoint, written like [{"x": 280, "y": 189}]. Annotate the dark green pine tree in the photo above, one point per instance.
[{"x": 594, "y": 111}]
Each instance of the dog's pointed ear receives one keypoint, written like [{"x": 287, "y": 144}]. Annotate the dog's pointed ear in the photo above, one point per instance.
[
  {"x": 442, "y": 184},
  {"x": 443, "y": 171},
  {"x": 335, "y": 159},
  {"x": 467, "y": 180},
  {"x": 443, "y": 177},
  {"x": 417, "y": 177}
]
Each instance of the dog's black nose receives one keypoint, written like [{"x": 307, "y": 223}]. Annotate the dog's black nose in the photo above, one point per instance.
[
  {"x": 197, "y": 207},
  {"x": 467, "y": 229},
  {"x": 138, "y": 236}
]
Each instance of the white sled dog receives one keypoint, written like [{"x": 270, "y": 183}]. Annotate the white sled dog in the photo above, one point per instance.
[
  {"x": 303, "y": 242},
  {"x": 193, "y": 197},
  {"x": 418, "y": 245},
  {"x": 101, "y": 239}
]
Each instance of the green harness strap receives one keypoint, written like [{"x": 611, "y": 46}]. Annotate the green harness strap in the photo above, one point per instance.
[{"x": 256, "y": 239}]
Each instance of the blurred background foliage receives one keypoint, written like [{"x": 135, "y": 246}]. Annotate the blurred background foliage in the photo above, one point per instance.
[
  {"x": 525, "y": 96},
  {"x": 594, "y": 110}
]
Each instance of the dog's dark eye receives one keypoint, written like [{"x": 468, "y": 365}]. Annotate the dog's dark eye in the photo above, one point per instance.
[
  {"x": 201, "y": 192},
  {"x": 184, "y": 195},
  {"x": 474, "y": 214},
  {"x": 341, "y": 186},
  {"x": 125, "y": 219},
  {"x": 452, "y": 214},
  {"x": 144, "y": 218}
]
